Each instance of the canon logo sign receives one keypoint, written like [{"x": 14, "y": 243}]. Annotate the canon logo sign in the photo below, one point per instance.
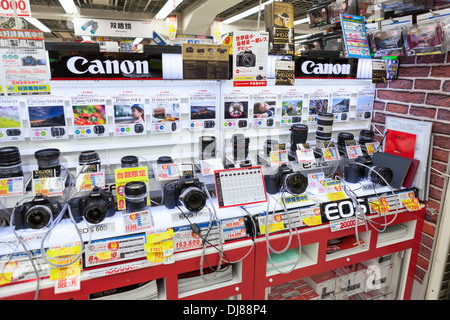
[
  {"x": 81, "y": 65},
  {"x": 310, "y": 67}
]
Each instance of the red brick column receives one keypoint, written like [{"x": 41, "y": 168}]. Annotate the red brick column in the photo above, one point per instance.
[{"x": 422, "y": 92}]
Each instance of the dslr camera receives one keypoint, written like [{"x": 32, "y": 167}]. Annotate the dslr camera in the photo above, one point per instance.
[
  {"x": 354, "y": 172},
  {"x": 188, "y": 191},
  {"x": 94, "y": 207},
  {"x": 37, "y": 213},
  {"x": 29, "y": 61},
  {"x": 286, "y": 179},
  {"x": 246, "y": 59}
]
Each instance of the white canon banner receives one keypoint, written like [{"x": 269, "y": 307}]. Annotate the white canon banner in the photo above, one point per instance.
[
  {"x": 112, "y": 28},
  {"x": 22, "y": 8}
]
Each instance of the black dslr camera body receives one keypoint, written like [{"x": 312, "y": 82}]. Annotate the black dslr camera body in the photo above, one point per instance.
[
  {"x": 354, "y": 173},
  {"x": 286, "y": 178},
  {"x": 186, "y": 190},
  {"x": 94, "y": 207},
  {"x": 37, "y": 213},
  {"x": 246, "y": 59}
]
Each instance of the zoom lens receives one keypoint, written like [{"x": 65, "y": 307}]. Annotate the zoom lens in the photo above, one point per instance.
[
  {"x": 10, "y": 162},
  {"x": 342, "y": 139},
  {"x": 366, "y": 136},
  {"x": 296, "y": 183},
  {"x": 89, "y": 158},
  {"x": 324, "y": 127},
  {"x": 193, "y": 199},
  {"x": 37, "y": 217},
  {"x": 207, "y": 147},
  {"x": 96, "y": 211},
  {"x": 240, "y": 146},
  {"x": 129, "y": 162},
  {"x": 299, "y": 134},
  {"x": 135, "y": 196},
  {"x": 48, "y": 159},
  {"x": 374, "y": 175}
]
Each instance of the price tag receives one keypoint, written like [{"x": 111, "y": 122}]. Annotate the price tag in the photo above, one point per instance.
[
  {"x": 49, "y": 187},
  {"x": 330, "y": 154},
  {"x": 380, "y": 206},
  {"x": 11, "y": 187},
  {"x": 208, "y": 166},
  {"x": 333, "y": 196},
  {"x": 311, "y": 216},
  {"x": 167, "y": 171},
  {"x": 137, "y": 221},
  {"x": 305, "y": 156},
  {"x": 412, "y": 204},
  {"x": 343, "y": 224},
  {"x": 87, "y": 181},
  {"x": 159, "y": 235},
  {"x": 278, "y": 157},
  {"x": 371, "y": 147},
  {"x": 354, "y": 152}
]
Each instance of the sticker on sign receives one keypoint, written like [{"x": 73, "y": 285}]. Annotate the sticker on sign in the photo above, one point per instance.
[{"x": 22, "y": 8}]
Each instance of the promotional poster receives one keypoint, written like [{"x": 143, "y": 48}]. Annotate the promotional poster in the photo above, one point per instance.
[
  {"x": 250, "y": 51},
  {"x": 129, "y": 115},
  {"x": 165, "y": 113},
  {"x": 10, "y": 120},
  {"x": 89, "y": 117}
]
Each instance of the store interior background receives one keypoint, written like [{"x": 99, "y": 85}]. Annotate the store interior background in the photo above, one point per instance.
[{"x": 422, "y": 90}]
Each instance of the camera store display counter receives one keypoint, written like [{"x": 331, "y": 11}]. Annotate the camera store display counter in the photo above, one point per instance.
[{"x": 119, "y": 256}]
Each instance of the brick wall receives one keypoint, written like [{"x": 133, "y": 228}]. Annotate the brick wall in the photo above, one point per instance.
[{"x": 422, "y": 91}]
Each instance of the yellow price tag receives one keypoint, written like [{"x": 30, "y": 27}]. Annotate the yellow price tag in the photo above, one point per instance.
[
  {"x": 273, "y": 227},
  {"x": 5, "y": 278},
  {"x": 336, "y": 196},
  {"x": 312, "y": 221},
  {"x": 65, "y": 272},
  {"x": 159, "y": 246},
  {"x": 103, "y": 255},
  {"x": 158, "y": 237},
  {"x": 411, "y": 204},
  {"x": 155, "y": 257}
]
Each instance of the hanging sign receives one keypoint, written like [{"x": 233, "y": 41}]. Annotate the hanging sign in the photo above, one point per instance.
[{"x": 112, "y": 28}]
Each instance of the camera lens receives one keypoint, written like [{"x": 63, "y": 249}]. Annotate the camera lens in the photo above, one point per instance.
[
  {"x": 207, "y": 147},
  {"x": 164, "y": 159},
  {"x": 10, "y": 162},
  {"x": 240, "y": 146},
  {"x": 193, "y": 199},
  {"x": 299, "y": 134},
  {"x": 37, "y": 217},
  {"x": 296, "y": 183},
  {"x": 384, "y": 172},
  {"x": 268, "y": 146},
  {"x": 95, "y": 211},
  {"x": 248, "y": 60},
  {"x": 324, "y": 126},
  {"x": 366, "y": 136},
  {"x": 342, "y": 139},
  {"x": 135, "y": 196},
  {"x": 48, "y": 159},
  {"x": 129, "y": 162},
  {"x": 89, "y": 158}
]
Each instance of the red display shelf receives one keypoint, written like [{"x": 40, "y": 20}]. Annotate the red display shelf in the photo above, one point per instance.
[
  {"x": 185, "y": 262},
  {"x": 321, "y": 234}
]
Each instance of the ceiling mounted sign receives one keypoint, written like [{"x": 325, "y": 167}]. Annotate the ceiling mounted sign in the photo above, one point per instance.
[{"x": 112, "y": 28}]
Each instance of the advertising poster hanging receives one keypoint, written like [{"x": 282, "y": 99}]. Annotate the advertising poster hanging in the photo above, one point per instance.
[
  {"x": 89, "y": 117},
  {"x": 10, "y": 120},
  {"x": 355, "y": 36},
  {"x": 129, "y": 115},
  {"x": 23, "y": 68},
  {"x": 47, "y": 118},
  {"x": 250, "y": 51}
]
